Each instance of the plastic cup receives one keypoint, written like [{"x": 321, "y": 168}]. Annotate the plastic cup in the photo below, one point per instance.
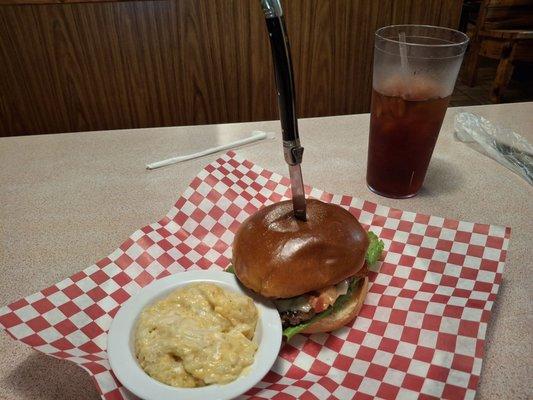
[{"x": 415, "y": 69}]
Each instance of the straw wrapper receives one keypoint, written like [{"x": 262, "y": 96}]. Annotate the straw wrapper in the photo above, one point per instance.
[{"x": 420, "y": 332}]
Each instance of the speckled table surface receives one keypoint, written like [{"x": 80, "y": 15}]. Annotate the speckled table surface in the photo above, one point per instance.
[{"x": 68, "y": 200}]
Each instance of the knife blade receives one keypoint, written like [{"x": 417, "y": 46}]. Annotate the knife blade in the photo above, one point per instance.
[{"x": 298, "y": 193}]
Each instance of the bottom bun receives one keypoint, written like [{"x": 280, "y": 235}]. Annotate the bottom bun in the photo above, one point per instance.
[{"x": 345, "y": 314}]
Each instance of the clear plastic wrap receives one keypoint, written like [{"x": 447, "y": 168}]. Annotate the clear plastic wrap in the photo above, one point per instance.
[{"x": 499, "y": 143}]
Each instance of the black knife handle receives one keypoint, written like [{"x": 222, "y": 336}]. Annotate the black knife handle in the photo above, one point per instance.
[{"x": 281, "y": 56}]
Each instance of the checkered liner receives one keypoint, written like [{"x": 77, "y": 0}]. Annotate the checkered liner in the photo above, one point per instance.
[{"x": 420, "y": 333}]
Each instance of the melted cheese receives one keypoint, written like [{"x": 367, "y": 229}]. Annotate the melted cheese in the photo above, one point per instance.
[
  {"x": 300, "y": 303},
  {"x": 200, "y": 334},
  {"x": 342, "y": 287}
]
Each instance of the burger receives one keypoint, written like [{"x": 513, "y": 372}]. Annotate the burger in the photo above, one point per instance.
[{"x": 315, "y": 271}]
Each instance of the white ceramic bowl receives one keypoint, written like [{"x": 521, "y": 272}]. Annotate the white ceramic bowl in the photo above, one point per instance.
[{"x": 120, "y": 342}]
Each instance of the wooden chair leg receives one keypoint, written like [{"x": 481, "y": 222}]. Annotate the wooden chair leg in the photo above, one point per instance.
[
  {"x": 503, "y": 73},
  {"x": 471, "y": 64}
]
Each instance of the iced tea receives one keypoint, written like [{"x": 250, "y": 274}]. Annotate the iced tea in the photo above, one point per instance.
[
  {"x": 404, "y": 126},
  {"x": 415, "y": 68}
]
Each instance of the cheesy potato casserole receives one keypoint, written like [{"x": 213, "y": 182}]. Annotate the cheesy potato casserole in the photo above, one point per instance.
[{"x": 198, "y": 335}]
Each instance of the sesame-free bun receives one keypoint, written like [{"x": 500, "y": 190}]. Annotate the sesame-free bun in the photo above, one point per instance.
[{"x": 279, "y": 256}]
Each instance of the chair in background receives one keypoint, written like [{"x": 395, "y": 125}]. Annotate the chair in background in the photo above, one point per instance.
[
  {"x": 469, "y": 13},
  {"x": 503, "y": 31}
]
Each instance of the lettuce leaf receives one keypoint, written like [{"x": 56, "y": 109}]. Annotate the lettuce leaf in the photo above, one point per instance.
[
  {"x": 230, "y": 269},
  {"x": 341, "y": 300},
  {"x": 375, "y": 248}
]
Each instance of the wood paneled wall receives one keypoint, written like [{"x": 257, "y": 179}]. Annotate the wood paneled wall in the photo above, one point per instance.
[{"x": 128, "y": 64}]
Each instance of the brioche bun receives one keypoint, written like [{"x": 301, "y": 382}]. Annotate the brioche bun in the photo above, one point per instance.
[{"x": 279, "y": 256}]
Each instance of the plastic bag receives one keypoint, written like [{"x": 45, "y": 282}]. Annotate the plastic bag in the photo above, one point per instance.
[{"x": 499, "y": 143}]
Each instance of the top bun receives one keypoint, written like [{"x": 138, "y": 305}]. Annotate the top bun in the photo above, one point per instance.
[{"x": 279, "y": 256}]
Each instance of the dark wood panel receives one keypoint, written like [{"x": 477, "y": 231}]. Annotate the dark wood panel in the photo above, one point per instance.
[
  {"x": 92, "y": 66},
  {"x": 333, "y": 60},
  {"x": 133, "y": 64},
  {"x": 507, "y": 14},
  {"x": 414, "y": 11},
  {"x": 450, "y": 13},
  {"x": 40, "y": 2}
]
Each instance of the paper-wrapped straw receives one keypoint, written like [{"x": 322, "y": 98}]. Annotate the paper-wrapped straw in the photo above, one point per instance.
[{"x": 256, "y": 136}]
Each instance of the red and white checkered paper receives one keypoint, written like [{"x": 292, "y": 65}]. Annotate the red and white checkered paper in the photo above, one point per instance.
[{"x": 420, "y": 333}]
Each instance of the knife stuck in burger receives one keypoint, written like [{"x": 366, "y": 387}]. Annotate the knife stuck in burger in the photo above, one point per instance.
[{"x": 310, "y": 257}]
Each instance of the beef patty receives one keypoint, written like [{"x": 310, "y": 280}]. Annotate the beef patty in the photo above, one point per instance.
[{"x": 295, "y": 317}]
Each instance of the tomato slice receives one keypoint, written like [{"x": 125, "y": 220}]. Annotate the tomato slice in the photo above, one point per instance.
[{"x": 326, "y": 297}]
